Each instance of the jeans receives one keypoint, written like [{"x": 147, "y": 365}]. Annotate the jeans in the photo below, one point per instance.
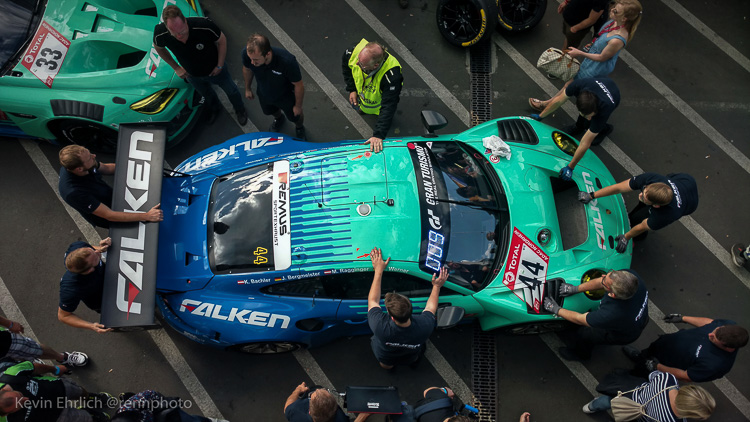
[
  {"x": 202, "y": 84},
  {"x": 601, "y": 403}
]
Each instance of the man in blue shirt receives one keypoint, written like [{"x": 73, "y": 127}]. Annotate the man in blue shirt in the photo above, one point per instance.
[
  {"x": 620, "y": 319},
  {"x": 81, "y": 186},
  {"x": 701, "y": 354},
  {"x": 280, "y": 87}
]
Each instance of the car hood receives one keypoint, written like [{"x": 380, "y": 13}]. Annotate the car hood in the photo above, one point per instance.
[
  {"x": 107, "y": 39},
  {"x": 342, "y": 203}
]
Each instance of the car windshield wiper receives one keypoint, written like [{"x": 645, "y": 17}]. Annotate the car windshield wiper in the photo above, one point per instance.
[{"x": 471, "y": 205}]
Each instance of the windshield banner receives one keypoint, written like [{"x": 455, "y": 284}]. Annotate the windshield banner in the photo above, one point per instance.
[
  {"x": 434, "y": 215},
  {"x": 526, "y": 270},
  {"x": 130, "y": 277},
  {"x": 282, "y": 237},
  {"x": 46, "y": 53}
]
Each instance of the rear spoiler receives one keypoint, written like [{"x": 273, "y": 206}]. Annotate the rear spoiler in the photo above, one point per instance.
[{"x": 130, "y": 278}]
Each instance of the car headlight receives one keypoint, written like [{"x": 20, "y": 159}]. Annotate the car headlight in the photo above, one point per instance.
[
  {"x": 155, "y": 102},
  {"x": 191, "y": 3},
  {"x": 565, "y": 143}
]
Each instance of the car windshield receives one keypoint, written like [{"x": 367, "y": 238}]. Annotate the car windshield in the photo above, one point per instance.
[
  {"x": 18, "y": 21},
  {"x": 248, "y": 218},
  {"x": 464, "y": 212}
]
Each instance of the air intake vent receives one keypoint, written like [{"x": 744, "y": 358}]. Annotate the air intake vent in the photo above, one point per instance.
[
  {"x": 77, "y": 109},
  {"x": 516, "y": 130}
]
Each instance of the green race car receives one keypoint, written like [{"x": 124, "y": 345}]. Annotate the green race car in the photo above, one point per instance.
[{"x": 72, "y": 70}]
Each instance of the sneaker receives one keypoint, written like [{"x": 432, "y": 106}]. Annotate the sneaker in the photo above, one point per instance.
[
  {"x": 738, "y": 250},
  {"x": 568, "y": 354},
  {"x": 632, "y": 353},
  {"x": 211, "y": 116},
  {"x": 572, "y": 130},
  {"x": 103, "y": 399},
  {"x": 603, "y": 134},
  {"x": 242, "y": 118},
  {"x": 75, "y": 359},
  {"x": 301, "y": 133},
  {"x": 276, "y": 124},
  {"x": 587, "y": 408}
]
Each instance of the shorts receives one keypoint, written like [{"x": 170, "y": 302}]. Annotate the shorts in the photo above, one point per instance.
[
  {"x": 574, "y": 38},
  {"x": 285, "y": 104},
  {"x": 23, "y": 348}
]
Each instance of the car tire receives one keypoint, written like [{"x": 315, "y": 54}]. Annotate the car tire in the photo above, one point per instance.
[
  {"x": 519, "y": 15},
  {"x": 534, "y": 328},
  {"x": 267, "y": 348},
  {"x": 95, "y": 137},
  {"x": 466, "y": 22}
]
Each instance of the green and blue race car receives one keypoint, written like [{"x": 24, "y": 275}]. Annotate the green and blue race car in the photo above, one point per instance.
[
  {"x": 265, "y": 241},
  {"x": 73, "y": 70}
]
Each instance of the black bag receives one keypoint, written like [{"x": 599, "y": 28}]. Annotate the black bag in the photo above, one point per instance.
[{"x": 618, "y": 380}]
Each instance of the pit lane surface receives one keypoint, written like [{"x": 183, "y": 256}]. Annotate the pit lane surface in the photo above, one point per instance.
[{"x": 684, "y": 107}]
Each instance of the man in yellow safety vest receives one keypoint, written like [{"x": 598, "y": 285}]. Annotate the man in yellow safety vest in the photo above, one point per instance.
[{"x": 373, "y": 79}]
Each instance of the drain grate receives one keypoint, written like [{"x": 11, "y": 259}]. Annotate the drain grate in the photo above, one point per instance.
[
  {"x": 484, "y": 374},
  {"x": 481, "y": 82}
]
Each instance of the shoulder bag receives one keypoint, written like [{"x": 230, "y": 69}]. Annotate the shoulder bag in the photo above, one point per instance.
[{"x": 558, "y": 63}]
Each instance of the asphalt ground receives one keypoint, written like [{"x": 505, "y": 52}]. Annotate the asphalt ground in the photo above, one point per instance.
[{"x": 684, "y": 84}]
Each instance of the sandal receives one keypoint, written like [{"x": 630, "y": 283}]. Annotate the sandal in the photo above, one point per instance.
[{"x": 536, "y": 104}]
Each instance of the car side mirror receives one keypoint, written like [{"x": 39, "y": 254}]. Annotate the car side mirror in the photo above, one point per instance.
[
  {"x": 432, "y": 121},
  {"x": 449, "y": 316}
]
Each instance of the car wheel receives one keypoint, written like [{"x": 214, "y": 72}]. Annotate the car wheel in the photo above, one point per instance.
[
  {"x": 267, "y": 347},
  {"x": 534, "y": 328},
  {"x": 466, "y": 22},
  {"x": 519, "y": 15},
  {"x": 91, "y": 135}
]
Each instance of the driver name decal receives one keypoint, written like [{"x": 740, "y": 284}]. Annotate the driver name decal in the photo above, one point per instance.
[
  {"x": 46, "y": 53},
  {"x": 526, "y": 270}
]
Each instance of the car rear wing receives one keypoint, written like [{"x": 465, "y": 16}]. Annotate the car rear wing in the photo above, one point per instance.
[{"x": 130, "y": 278}]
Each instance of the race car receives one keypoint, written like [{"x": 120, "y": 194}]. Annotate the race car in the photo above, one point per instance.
[
  {"x": 265, "y": 241},
  {"x": 72, "y": 70}
]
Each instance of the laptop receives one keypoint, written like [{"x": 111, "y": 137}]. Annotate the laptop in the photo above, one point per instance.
[{"x": 381, "y": 400}]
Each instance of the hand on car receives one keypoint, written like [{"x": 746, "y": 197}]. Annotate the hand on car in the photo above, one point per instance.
[
  {"x": 566, "y": 173},
  {"x": 673, "y": 318},
  {"x": 622, "y": 243},
  {"x": 440, "y": 280},
  {"x": 155, "y": 214},
  {"x": 567, "y": 289},
  {"x": 376, "y": 256},
  {"x": 551, "y": 306},
  {"x": 376, "y": 144},
  {"x": 536, "y": 117},
  {"x": 585, "y": 197}
]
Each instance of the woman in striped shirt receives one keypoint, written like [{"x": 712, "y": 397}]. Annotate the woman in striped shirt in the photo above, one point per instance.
[{"x": 664, "y": 400}]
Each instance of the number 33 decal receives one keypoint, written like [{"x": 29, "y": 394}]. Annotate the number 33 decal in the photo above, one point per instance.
[{"x": 51, "y": 64}]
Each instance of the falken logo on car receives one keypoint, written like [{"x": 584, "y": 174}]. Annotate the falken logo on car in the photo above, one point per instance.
[
  {"x": 596, "y": 214},
  {"x": 215, "y": 157},
  {"x": 244, "y": 316}
]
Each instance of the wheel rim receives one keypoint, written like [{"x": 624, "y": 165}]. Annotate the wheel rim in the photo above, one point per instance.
[
  {"x": 90, "y": 135},
  {"x": 268, "y": 348},
  {"x": 519, "y": 12},
  {"x": 462, "y": 20}
]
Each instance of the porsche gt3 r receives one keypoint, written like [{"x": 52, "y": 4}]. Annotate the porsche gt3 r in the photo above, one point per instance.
[
  {"x": 265, "y": 241},
  {"x": 73, "y": 70}
]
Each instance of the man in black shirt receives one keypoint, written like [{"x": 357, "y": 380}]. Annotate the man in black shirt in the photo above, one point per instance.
[
  {"x": 701, "y": 354},
  {"x": 280, "y": 87},
  {"x": 578, "y": 17},
  {"x": 596, "y": 99},
  {"x": 620, "y": 319},
  {"x": 201, "y": 48},
  {"x": 83, "y": 281},
  {"x": 662, "y": 201},
  {"x": 81, "y": 186}
]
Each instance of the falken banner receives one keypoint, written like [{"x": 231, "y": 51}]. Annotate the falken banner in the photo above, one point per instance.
[{"x": 130, "y": 277}]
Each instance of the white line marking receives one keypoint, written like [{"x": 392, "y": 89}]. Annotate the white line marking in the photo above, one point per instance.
[
  {"x": 160, "y": 337},
  {"x": 446, "y": 371},
  {"x": 13, "y": 312},
  {"x": 577, "y": 368},
  {"x": 338, "y": 99},
  {"x": 656, "y": 315},
  {"x": 687, "y": 111},
  {"x": 708, "y": 33},
  {"x": 404, "y": 54}
]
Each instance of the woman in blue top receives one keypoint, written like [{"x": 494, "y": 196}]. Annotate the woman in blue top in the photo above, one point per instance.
[{"x": 601, "y": 54}]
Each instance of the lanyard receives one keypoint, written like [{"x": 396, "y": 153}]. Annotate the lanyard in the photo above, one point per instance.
[{"x": 606, "y": 30}]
